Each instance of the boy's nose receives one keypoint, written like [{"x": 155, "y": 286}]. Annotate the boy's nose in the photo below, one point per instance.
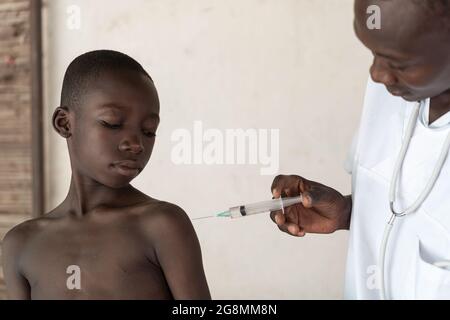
[
  {"x": 382, "y": 74},
  {"x": 133, "y": 145}
]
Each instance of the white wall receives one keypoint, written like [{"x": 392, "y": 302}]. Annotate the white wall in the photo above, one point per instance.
[{"x": 293, "y": 65}]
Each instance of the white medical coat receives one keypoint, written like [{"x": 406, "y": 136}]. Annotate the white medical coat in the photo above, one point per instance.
[{"x": 417, "y": 240}]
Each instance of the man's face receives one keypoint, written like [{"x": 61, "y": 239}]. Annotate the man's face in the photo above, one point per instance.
[
  {"x": 117, "y": 121},
  {"x": 411, "y": 62}
]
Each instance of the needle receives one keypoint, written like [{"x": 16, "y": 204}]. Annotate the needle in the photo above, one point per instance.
[{"x": 202, "y": 217}]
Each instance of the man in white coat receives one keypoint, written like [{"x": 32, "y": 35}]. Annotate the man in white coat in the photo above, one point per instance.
[{"x": 399, "y": 161}]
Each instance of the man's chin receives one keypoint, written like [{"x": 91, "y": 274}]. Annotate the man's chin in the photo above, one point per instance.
[
  {"x": 410, "y": 98},
  {"x": 405, "y": 95}
]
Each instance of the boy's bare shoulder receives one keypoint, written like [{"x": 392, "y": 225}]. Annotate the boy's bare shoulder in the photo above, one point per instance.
[
  {"x": 21, "y": 233},
  {"x": 158, "y": 211},
  {"x": 164, "y": 218}
]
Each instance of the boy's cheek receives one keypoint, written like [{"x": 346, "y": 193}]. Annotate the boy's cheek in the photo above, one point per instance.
[{"x": 101, "y": 138}]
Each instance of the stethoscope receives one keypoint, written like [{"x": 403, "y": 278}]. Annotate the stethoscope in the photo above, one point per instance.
[{"x": 423, "y": 195}]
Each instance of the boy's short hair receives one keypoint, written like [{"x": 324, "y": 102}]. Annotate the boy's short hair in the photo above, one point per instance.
[{"x": 86, "y": 68}]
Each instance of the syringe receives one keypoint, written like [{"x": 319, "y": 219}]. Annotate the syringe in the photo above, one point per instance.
[{"x": 260, "y": 207}]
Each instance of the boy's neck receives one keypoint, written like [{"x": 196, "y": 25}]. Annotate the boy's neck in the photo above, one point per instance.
[
  {"x": 82, "y": 200},
  {"x": 439, "y": 106}
]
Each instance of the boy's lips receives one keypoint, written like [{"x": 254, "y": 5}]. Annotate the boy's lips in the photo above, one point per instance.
[{"x": 129, "y": 168}]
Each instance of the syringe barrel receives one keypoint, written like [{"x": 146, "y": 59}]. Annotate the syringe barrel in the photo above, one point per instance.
[
  {"x": 263, "y": 206},
  {"x": 237, "y": 212}
]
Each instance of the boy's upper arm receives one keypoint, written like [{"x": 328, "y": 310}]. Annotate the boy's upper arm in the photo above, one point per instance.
[
  {"x": 178, "y": 252},
  {"x": 16, "y": 284}
]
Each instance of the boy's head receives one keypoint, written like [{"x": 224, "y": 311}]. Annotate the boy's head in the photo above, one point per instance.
[
  {"x": 109, "y": 113},
  {"x": 411, "y": 49}
]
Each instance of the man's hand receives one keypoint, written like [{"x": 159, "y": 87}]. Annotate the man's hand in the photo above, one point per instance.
[{"x": 323, "y": 210}]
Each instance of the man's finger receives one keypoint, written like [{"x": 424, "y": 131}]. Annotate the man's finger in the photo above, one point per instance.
[
  {"x": 276, "y": 193},
  {"x": 276, "y": 182},
  {"x": 294, "y": 230},
  {"x": 307, "y": 200},
  {"x": 283, "y": 228},
  {"x": 293, "y": 217},
  {"x": 278, "y": 217},
  {"x": 290, "y": 229}
]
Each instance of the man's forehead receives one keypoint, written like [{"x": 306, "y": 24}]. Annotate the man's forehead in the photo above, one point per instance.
[
  {"x": 396, "y": 16},
  {"x": 383, "y": 45},
  {"x": 401, "y": 27}
]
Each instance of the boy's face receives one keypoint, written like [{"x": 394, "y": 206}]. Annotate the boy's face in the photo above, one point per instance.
[
  {"x": 117, "y": 121},
  {"x": 411, "y": 62}
]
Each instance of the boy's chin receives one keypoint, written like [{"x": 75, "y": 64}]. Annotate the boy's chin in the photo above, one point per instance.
[
  {"x": 115, "y": 183},
  {"x": 121, "y": 184}
]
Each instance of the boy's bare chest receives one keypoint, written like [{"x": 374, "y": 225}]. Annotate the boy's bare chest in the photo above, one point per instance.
[{"x": 90, "y": 261}]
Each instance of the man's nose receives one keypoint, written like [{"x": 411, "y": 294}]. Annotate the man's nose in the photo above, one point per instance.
[
  {"x": 381, "y": 73},
  {"x": 132, "y": 143}
]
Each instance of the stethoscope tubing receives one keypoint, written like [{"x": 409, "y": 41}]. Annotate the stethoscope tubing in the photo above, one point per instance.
[{"x": 420, "y": 199}]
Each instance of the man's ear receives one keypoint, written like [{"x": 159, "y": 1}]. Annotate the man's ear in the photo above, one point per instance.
[{"x": 61, "y": 121}]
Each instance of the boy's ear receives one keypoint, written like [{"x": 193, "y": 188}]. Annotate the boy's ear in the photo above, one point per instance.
[{"x": 61, "y": 122}]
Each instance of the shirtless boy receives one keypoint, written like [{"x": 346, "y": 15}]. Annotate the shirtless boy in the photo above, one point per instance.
[{"x": 106, "y": 240}]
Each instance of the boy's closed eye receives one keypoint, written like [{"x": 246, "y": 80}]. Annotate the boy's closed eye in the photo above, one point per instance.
[
  {"x": 110, "y": 125},
  {"x": 116, "y": 126}
]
